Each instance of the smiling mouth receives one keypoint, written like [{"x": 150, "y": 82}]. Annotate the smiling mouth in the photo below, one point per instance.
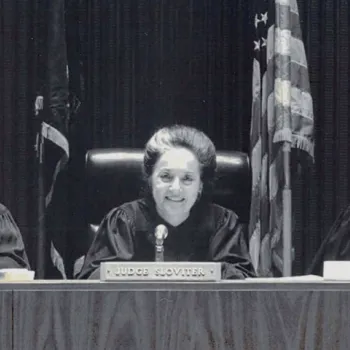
[{"x": 177, "y": 200}]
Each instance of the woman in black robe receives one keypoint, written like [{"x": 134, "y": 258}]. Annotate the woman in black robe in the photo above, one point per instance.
[
  {"x": 12, "y": 252},
  {"x": 179, "y": 168}
]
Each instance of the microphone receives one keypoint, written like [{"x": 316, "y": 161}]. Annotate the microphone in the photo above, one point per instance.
[{"x": 160, "y": 233}]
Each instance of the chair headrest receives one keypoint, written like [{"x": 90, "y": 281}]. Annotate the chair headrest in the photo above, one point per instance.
[{"x": 114, "y": 176}]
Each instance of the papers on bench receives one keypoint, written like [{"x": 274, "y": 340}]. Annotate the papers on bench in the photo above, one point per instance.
[
  {"x": 7, "y": 275},
  {"x": 336, "y": 270},
  {"x": 304, "y": 278}
]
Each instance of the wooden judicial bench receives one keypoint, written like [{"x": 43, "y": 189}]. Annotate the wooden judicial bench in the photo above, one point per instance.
[{"x": 240, "y": 315}]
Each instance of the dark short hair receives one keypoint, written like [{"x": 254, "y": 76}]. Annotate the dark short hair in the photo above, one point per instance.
[{"x": 181, "y": 136}]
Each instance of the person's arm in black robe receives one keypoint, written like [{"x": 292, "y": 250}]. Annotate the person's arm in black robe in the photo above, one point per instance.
[
  {"x": 114, "y": 241},
  {"x": 228, "y": 246},
  {"x": 12, "y": 252}
]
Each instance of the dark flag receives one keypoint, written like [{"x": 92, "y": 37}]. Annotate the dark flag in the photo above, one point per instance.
[
  {"x": 52, "y": 111},
  {"x": 282, "y": 119}
]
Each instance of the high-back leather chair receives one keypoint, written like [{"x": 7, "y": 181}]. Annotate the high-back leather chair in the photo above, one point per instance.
[{"x": 113, "y": 176}]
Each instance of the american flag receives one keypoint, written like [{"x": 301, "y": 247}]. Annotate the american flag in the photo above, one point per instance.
[
  {"x": 52, "y": 147},
  {"x": 282, "y": 114}
]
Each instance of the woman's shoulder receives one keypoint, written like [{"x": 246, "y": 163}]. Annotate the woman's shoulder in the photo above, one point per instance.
[
  {"x": 133, "y": 212},
  {"x": 128, "y": 209},
  {"x": 218, "y": 213},
  {"x": 132, "y": 205},
  {"x": 218, "y": 210},
  {"x": 127, "y": 206}
]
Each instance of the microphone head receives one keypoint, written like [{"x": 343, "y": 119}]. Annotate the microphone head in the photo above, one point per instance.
[{"x": 161, "y": 232}]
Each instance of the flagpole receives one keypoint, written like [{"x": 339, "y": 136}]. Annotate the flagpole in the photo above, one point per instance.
[
  {"x": 41, "y": 207},
  {"x": 287, "y": 212},
  {"x": 41, "y": 211}
]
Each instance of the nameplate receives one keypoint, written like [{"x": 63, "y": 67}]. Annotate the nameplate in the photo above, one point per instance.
[{"x": 160, "y": 271}]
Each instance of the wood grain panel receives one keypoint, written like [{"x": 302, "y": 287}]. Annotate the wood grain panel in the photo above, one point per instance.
[
  {"x": 182, "y": 320},
  {"x": 254, "y": 320},
  {"x": 84, "y": 320},
  {"x": 5, "y": 320}
]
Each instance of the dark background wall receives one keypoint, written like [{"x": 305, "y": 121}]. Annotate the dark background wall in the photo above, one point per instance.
[{"x": 142, "y": 64}]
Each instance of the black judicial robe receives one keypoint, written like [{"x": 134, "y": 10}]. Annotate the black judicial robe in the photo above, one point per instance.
[
  {"x": 335, "y": 246},
  {"x": 12, "y": 252},
  {"x": 210, "y": 233}
]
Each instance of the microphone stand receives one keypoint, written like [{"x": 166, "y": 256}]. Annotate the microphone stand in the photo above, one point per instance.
[
  {"x": 159, "y": 250},
  {"x": 160, "y": 234}
]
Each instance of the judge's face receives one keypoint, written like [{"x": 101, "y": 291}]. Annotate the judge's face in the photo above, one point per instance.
[{"x": 176, "y": 183}]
